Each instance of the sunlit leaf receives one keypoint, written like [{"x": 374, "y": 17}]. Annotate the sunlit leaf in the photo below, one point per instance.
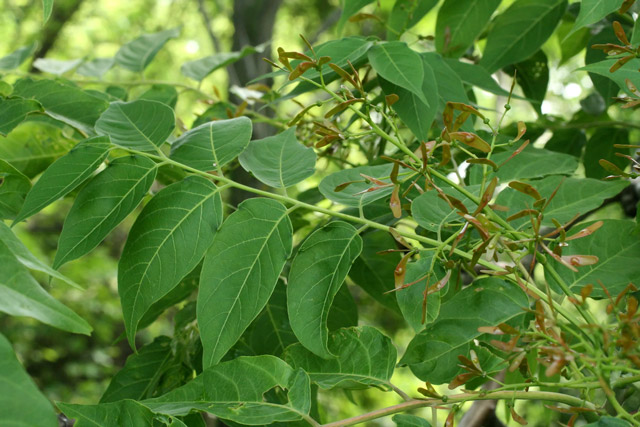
[
  {"x": 592, "y": 11},
  {"x": 17, "y": 57},
  {"x": 139, "y": 53},
  {"x": 201, "y": 68}
]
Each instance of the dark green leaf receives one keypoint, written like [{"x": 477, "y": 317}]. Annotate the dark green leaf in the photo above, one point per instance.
[
  {"x": 17, "y": 57},
  {"x": 617, "y": 247},
  {"x": 405, "y": 14},
  {"x": 600, "y": 146},
  {"x": 373, "y": 272},
  {"x": 137, "y": 54},
  {"x": 21, "y": 295},
  {"x": 141, "y": 125},
  {"x": 253, "y": 245},
  {"x": 235, "y": 391},
  {"x": 350, "y": 8},
  {"x": 406, "y": 420},
  {"x": 127, "y": 413},
  {"x": 431, "y": 211},
  {"x": 410, "y": 299},
  {"x": 603, "y": 84},
  {"x": 449, "y": 85},
  {"x": 532, "y": 75},
  {"x": 96, "y": 67},
  {"x": 14, "y": 187},
  {"x": 280, "y": 160},
  {"x": 460, "y": 22},
  {"x": 65, "y": 174},
  {"x": 399, "y": 64},
  {"x": 102, "y": 204},
  {"x": 476, "y": 76},
  {"x": 213, "y": 144},
  {"x": 201, "y": 68},
  {"x": 167, "y": 241},
  {"x": 317, "y": 273},
  {"x": 591, "y": 11},
  {"x": 364, "y": 358},
  {"x": 21, "y": 402},
  {"x": 568, "y": 141},
  {"x": 63, "y": 102},
  {"x": 344, "y": 310},
  {"x": 349, "y": 196},
  {"x": 141, "y": 372},
  {"x": 433, "y": 354},
  {"x": 519, "y": 31},
  {"x": 13, "y": 111}
]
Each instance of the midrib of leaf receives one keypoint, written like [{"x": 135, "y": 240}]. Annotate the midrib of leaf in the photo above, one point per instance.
[
  {"x": 275, "y": 326},
  {"x": 155, "y": 254},
  {"x": 400, "y": 71},
  {"x": 213, "y": 150},
  {"x": 137, "y": 128},
  {"x": 601, "y": 264},
  {"x": 459, "y": 23},
  {"x": 244, "y": 281},
  {"x": 117, "y": 206},
  {"x": 281, "y": 161},
  {"x": 156, "y": 375}
]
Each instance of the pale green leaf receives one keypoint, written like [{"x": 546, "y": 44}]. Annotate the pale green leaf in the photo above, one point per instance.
[
  {"x": 355, "y": 194},
  {"x": 26, "y": 258},
  {"x": 399, "y": 64},
  {"x": 124, "y": 413},
  {"x": 519, "y": 31},
  {"x": 617, "y": 246},
  {"x": 13, "y": 190},
  {"x": 592, "y": 11},
  {"x": 627, "y": 71},
  {"x": 102, "y": 204},
  {"x": 65, "y": 174},
  {"x": 141, "y": 124},
  {"x": 56, "y": 66},
  {"x": 406, "y": 420},
  {"x": 21, "y": 295},
  {"x": 63, "y": 102},
  {"x": 201, "y": 68},
  {"x": 253, "y": 246},
  {"x": 364, "y": 358},
  {"x": 433, "y": 354},
  {"x": 635, "y": 36},
  {"x": 167, "y": 241},
  {"x": 96, "y": 67},
  {"x": 280, "y": 160},
  {"x": 601, "y": 145},
  {"x": 460, "y": 22},
  {"x": 47, "y": 8},
  {"x": 21, "y": 402},
  {"x": 213, "y": 144},
  {"x": 139, "y": 53},
  {"x": 410, "y": 299},
  {"x": 141, "y": 372},
  {"x": 14, "y": 110},
  {"x": 235, "y": 391},
  {"x": 317, "y": 273},
  {"x": 17, "y": 57}
]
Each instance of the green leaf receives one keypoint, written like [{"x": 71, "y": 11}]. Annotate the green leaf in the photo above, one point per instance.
[
  {"x": 253, "y": 245},
  {"x": 102, "y": 204},
  {"x": 519, "y": 31},
  {"x": 26, "y": 258},
  {"x": 475, "y": 76},
  {"x": 627, "y": 71},
  {"x": 609, "y": 422},
  {"x": 280, "y": 160},
  {"x": 235, "y": 391},
  {"x": 635, "y": 36},
  {"x": 14, "y": 187},
  {"x": 575, "y": 196},
  {"x": 603, "y": 84},
  {"x": 21, "y": 295},
  {"x": 127, "y": 413},
  {"x": 139, "y": 53},
  {"x": 96, "y": 67},
  {"x": 592, "y": 11},
  {"x": 399, "y": 64},
  {"x": 17, "y": 57},
  {"x": 460, "y": 22},
  {"x": 271, "y": 332},
  {"x": 364, "y": 358},
  {"x": 344, "y": 310},
  {"x": 406, "y": 420},
  {"x": 142, "y": 125},
  {"x": 32, "y": 147},
  {"x": 64, "y": 175},
  {"x": 63, "y": 102},
  {"x": 21, "y": 402},
  {"x": 405, "y": 14},
  {"x": 617, "y": 247},
  {"x": 141, "y": 372},
  {"x": 317, "y": 273},
  {"x": 201, "y": 68},
  {"x": 431, "y": 211},
  {"x": 601, "y": 146},
  {"x": 410, "y": 299},
  {"x": 532, "y": 75},
  {"x": 373, "y": 272},
  {"x": 449, "y": 85},
  {"x": 433, "y": 354},
  {"x": 350, "y": 8},
  {"x": 47, "y": 8},
  {"x": 417, "y": 115},
  {"x": 349, "y": 196},
  {"x": 14, "y": 110},
  {"x": 213, "y": 144},
  {"x": 569, "y": 141},
  {"x": 165, "y": 94},
  {"x": 167, "y": 241},
  {"x": 56, "y": 66}
]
